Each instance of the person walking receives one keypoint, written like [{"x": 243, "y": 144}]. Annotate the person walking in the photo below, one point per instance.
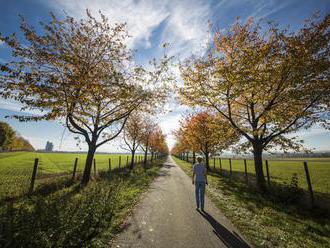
[{"x": 199, "y": 178}]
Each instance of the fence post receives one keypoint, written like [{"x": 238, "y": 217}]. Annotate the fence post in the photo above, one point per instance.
[
  {"x": 245, "y": 170},
  {"x": 126, "y": 161},
  {"x": 109, "y": 164},
  {"x": 220, "y": 165},
  {"x": 214, "y": 163},
  {"x": 34, "y": 175},
  {"x": 231, "y": 171},
  {"x": 309, "y": 183},
  {"x": 119, "y": 162},
  {"x": 94, "y": 167},
  {"x": 74, "y": 169},
  {"x": 267, "y": 171}
]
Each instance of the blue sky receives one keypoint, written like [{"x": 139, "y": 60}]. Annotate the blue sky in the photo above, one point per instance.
[{"x": 182, "y": 23}]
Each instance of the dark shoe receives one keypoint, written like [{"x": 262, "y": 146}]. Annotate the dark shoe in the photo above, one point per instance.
[
  {"x": 197, "y": 209},
  {"x": 202, "y": 209}
]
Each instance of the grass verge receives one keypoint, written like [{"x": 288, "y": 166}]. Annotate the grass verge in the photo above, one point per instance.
[
  {"x": 72, "y": 217},
  {"x": 266, "y": 221}
]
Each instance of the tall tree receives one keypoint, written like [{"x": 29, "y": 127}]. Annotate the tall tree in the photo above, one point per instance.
[
  {"x": 133, "y": 134},
  {"x": 20, "y": 144},
  {"x": 148, "y": 127},
  {"x": 266, "y": 84},
  {"x": 208, "y": 133},
  {"x": 7, "y": 135},
  {"x": 158, "y": 143},
  {"x": 81, "y": 71}
]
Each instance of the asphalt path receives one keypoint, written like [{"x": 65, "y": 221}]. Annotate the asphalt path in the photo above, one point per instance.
[{"x": 167, "y": 217}]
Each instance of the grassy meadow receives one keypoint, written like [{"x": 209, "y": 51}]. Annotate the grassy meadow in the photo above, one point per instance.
[
  {"x": 62, "y": 214},
  {"x": 16, "y": 168},
  {"x": 282, "y": 170},
  {"x": 268, "y": 220}
]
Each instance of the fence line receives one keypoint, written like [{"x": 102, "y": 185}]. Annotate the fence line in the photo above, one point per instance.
[
  {"x": 279, "y": 171},
  {"x": 26, "y": 180}
]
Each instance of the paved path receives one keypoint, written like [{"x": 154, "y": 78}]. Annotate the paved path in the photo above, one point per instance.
[{"x": 166, "y": 217}]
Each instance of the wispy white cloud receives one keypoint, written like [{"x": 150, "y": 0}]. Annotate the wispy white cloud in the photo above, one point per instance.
[
  {"x": 185, "y": 25},
  {"x": 16, "y": 106},
  {"x": 142, "y": 17}
]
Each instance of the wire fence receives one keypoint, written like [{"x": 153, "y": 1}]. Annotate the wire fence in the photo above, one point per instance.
[
  {"x": 24, "y": 173},
  {"x": 310, "y": 175}
]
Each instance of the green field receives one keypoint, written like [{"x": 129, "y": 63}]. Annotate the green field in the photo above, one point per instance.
[
  {"x": 265, "y": 220},
  {"x": 281, "y": 171},
  {"x": 16, "y": 168}
]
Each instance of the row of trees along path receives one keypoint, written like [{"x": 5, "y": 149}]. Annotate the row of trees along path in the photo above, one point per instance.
[
  {"x": 80, "y": 72},
  {"x": 264, "y": 81}
]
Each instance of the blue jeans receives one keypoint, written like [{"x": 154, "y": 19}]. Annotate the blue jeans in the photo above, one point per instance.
[{"x": 199, "y": 193}]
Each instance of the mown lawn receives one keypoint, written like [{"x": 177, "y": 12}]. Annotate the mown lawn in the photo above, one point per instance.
[
  {"x": 61, "y": 214},
  {"x": 56, "y": 162},
  {"x": 265, "y": 220},
  {"x": 16, "y": 168},
  {"x": 281, "y": 171}
]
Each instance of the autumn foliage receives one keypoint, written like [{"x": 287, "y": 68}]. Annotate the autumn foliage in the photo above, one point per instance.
[
  {"x": 267, "y": 82},
  {"x": 206, "y": 133},
  {"x": 80, "y": 71}
]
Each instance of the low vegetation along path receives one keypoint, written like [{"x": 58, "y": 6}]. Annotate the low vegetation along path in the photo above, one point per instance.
[{"x": 166, "y": 217}]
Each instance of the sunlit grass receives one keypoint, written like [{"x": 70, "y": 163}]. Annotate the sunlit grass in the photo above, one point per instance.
[{"x": 262, "y": 219}]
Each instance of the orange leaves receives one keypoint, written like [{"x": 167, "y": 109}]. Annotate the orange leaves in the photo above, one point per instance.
[
  {"x": 205, "y": 132},
  {"x": 265, "y": 83}
]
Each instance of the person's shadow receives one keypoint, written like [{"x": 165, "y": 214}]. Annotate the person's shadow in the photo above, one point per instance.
[{"x": 230, "y": 239}]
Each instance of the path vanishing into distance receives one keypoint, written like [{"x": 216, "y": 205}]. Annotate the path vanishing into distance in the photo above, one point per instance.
[{"x": 166, "y": 217}]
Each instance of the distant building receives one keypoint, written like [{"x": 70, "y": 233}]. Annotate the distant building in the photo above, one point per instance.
[{"x": 49, "y": 146}]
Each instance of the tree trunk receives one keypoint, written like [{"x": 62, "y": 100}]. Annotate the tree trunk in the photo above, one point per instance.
[
  {"x": 207, "y": 161},
  {"x": 187, "y": 156},
  {"x": 194, "y": 157},
  {"x": 132, "y": 160},
  {"x": 152, "y": 156},
  {"x": 88, "y": 165},
  {"x": 145, "y": 156},
  {"x": 257, "y": 153}
]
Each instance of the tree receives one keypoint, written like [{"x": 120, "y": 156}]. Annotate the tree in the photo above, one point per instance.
[
  {"x": 133, "y": 134},
  {"x": 266, "y": 84},
  {"x": 49, "y": 146},
  {"x": 148, "y": 127},
  {"x": 20, "y": 144},
  {"x": 81, "y": 72},
  {"x": 208, "y": 133},
  {"x": 157, "y": 143},
  {"x": 7, "y": 135},
  {"x": 183, "y": 143}
]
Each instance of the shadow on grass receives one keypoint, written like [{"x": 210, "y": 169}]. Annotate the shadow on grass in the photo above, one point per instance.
[
  {"x": 280, "y": 197},
  {"x": 280, "y": 192},
  {"x": 64, "y": 215}
]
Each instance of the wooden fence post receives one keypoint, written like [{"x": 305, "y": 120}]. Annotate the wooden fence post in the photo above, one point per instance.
[
  {"x": 214, "y": 163},
  {"x": 126, "y": 161},
  {"x": 74, "y": 169},
  {"x": 94, "y": 167},
  {"x": 119, "y": 162},
  {"x": 34, "y": 175},
  {"x": 309, "y": 183},
  {"x": 231, "y": 171},
  {"x": 109, "y": 164},
  {"x": 245, "y": 170},
  {"x": 220, "y": 165},
  {"x": 267, "y": 171}
]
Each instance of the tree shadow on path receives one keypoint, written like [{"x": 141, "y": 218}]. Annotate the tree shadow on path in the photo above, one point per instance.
[{"x": 230, "y": 239}]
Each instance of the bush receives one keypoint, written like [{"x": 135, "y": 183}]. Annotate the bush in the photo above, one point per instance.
[
  {"x": 66, "y": 219},
  {"x": 288, "y": 193}
]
